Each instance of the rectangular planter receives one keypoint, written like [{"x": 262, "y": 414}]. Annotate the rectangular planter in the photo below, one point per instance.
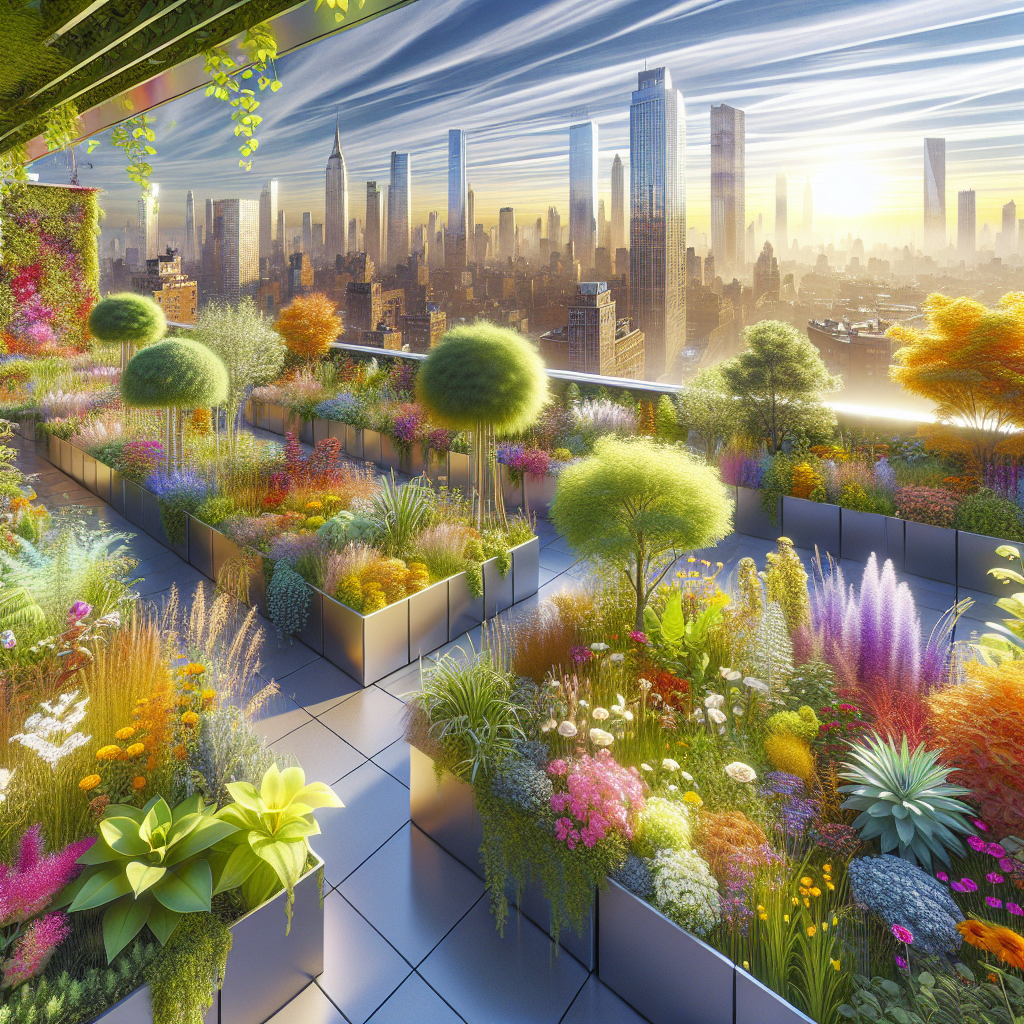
[
  {"x": 371, "y": 447},
  {"x": 64, "y": 451},
  {"x": 77, "y": 458},
  {"x": 758, "y": 1004},
  {"x": 339, "y": 432},
  {"x": 975, "y": 555},
  {"x": 812, "y": 524},
  {"x": 343, "y": 637},
  {"x": 664, "y": 972},
  {"x": 389, "y": 457},
  {"x": 223, "y": 549},
  {"x": 428, "y": 620},
  {"x": 525, "y": 570},
  {"x": 262, "y": 415},
  {"x": 896, "y": 542},
  {"x": 512, "y": 493},
  {"x": 931, "y": 552},
  {"x": 415, "y": 463},
  {"x": 321, "y": 431},
  {"x": 275, "y": 419},
  {"x": 53, "y": 450},
  {"x": 538, "y": 493},
  {"x": 385, "y": 641},
  {"x": 458, "y": 472},
  {"x": 436, "y": 467},
  {"x": 752, "y": 520},
  {"x": 353, "y": 440},
  {"x": 464, "y": 610},
  {"x": 153, "y": 525},
  {"x": 499, "y": 592},
  {"x": 133, "y": 510},
  {"x": 89, "y": 473},
  {"x": 863, "y": 533},
  {"x": 312, "y": 634},
  {"x": 200, "y": 546},
  {"x": 116, "y": 491},
  {"x": 103, "y": 481},
  {"x": 27, "y": 428}
]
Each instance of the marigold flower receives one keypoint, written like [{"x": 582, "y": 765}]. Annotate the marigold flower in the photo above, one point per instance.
[
  {"x": 811, "y": 931},
  {"x": 135, "y": 749},
  {"x": 193, "y": 668},
  {"x": 190, "y": 718},
  {"x": 1007, "y": 946},
  {"x": 208, "y": 695},
  {"x": 974, "y": 933},
  {"x": 785, "y": 917},
  {"x": 108, "y": 753},
  {"x": 126, "y": 733},
  {"x": 815, "y": 892},
  {"x": 181, "y": 752},
  {"x": 139, "y": 782},
  {"x": 89, "y": 782},
  {"x": 806, "y": 880}
]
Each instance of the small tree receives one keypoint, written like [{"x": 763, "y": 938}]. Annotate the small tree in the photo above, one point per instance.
[
  {"x": 131, "y": 320},
  {"x": 489, "y": 380},
  {"x": 707, "y": 408},
  {"x": 175, "y": 374},
  {"x": 637, "y": 505},
  {"x": 778, "y": 380},
  {"x": 308, "y": 324},
  {"x": 666, "y": 420}
]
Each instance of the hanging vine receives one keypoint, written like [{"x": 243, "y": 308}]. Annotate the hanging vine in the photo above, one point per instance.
[
  {"x": 340, "y": 7},
  {"x": 135, "y": 136},
  {"x": 227, "y": 83}
]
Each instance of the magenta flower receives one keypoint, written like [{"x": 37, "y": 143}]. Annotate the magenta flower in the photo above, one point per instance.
[
  {"x": 969, "y": 885},
  {"x": 993, "y": 902},
  {"x": 976, "y": 844},
  {"x": 901, "y": 963},
  {"x": 79, "y": 610},
  {"x": 580, "y": 655},
  {"x": 994, "y": 878},
  {"x": 995, "y": 850},
  {"x": 1015, "y": 909},
  {"x": 557, "y": 767},
  {"x": 979, "y": 824},
  {"x": 638, "y": 636},
  {"x": 1006, "y": 864},
  {"x": 902, "y": 934},
  {"x": 34, "y": 948},
  {"x": 942, "y": 876},
  {"x": 958, "y": 887}
]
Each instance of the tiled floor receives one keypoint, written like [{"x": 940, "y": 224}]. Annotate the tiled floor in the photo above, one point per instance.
[{"x": 409, "y": 935}]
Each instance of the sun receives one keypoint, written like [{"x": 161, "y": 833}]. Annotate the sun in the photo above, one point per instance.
[{"x": 846, "y": 190}]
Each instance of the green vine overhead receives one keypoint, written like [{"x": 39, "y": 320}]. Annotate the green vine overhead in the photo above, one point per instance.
[
  {"x": 340, "y": 7},
  {"x": 135, "y": 136},
  {"x": 228, "y": 78}
]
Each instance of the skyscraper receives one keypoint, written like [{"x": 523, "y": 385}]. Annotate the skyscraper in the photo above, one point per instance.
[
  {"x": 190, "y": 228},
  {"x": 457, "y": 197},
  {"x": 657, "y": 218},
  {"x": 149, "y": 224},
  {"x": 602, "y": 226},
  {"x": 583, "y": 191},
  {"x": 374, "y": 223},
  {"x": 236, "y": 243},
  {"x": 336, "y": 213},
  {"x": 268, "y": 219},
  {"x": 966, "y": 225},
  {"x": 399, "y": 209},
  {"x": 317, "y": 252},
  {"x": 435, "y": 253},
  {"x": 618, "y": 223},
  {"x": 781, "y": 215},
  {"x": 728, "y": 186},
  {"x": 470, "y": 223},
  {"x": 1009, "y": 228},
  {"x": 307, "y": 233},
  {"x": 506, "y": 233},
  {"x": 280, "y": 245},
  {"x": 808, "y": 225},
  {"x": 554, "y": 228},
  {"x": 934, "y": 194}
]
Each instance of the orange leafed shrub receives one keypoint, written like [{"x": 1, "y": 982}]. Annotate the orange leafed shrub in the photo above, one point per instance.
[
  {"x": 979, "y": 724},
  {"x": 308, "y": 324},
  {"x": 804, "y": 480},
  {"x": 727, "y": 839}
]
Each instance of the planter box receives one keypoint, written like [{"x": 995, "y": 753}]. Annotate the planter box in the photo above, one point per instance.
[
  {"x": 428, "y": 620},
  {"x": 53, "y": 450},
  {"x": 153, "y": 525},
  {"x": 343, "y": 636},
  {"x": 77, "y": 461},
  {"x": 133, "y": 510},
  {"x": 89, "y": 473},
  {"x": 353, "y": 440},
  {"x": 458, "y": 472},
  {"x": 339, "y": 432},
  {"x": 64, "y": 455},
  {"x": 664, "y": 972},
  {"x": 862, "y": 534},
  {"x": 525, "y": 570},
  {"x": 116, "y": 491},
  {"x": 752, "y": 520},
  {"x": 321, "y": 431},
  {"x": 415, "y": 463},
  {"x": 931, "y": 552},
  {"x": 312, "y": 634},
  {"x": 372, "y": 448},
  {"x": 539, "y": 491},
  {"x": 389, "y": 457},
  {"x": 812, "y": 524},
  {"x": 896, "y": 542},
  {"x": 436, "y": 467},
  {"x": 103, "y": 472},
  {"x": 367, "y": 647},
  {"x": 262, "y": 415},
  {"x": 758, "y": 1004},
  {"x": 975, "y": 555},
  {"x": 222, "y": 550},
  {"x": 499, "y": 591},
  {"x": 512, "y": 493},
  {"x": 200, "y": 546},
  {"x": 27, "y": 428},
  {"x": 464, "y": 610}
]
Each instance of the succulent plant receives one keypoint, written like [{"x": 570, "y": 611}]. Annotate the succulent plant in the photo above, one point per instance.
[{"x": 904, "y": 800}]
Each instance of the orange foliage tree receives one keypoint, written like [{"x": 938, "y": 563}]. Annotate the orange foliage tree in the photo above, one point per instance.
[
  {"x": 968, "y": 361},
  {"x": 308, "y": 324}
]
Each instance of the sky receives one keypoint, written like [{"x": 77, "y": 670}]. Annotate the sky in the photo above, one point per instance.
[{"x": 839, "y": 91}]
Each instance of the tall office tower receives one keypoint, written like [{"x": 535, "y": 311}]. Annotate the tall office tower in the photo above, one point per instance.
[
  {"x": 470, "y": 212},
  {"x": 399, "y": 210},
  {"x": 236, "y": 241},
  {"x": 506, "y": 233},
  {"x": 934, "y": 195},
  {"x": 538, "y": 234},
  {"x": 751, "y": 238},
  {"x": 149, "y": 224},
  {"x": 268, "y": 219},
  {"x": 1009, "y": 227},
  {"x": 280, "y": 245},
  {"x": 617, "y": 238},
  {"x": 353, "y": 242},
  {"x": 808, "y": 212},
  {"x": 583, "y": 191},
  {"x": 657, "y": 218},
  {"x": 435, "y": 253},
  {"x": 317, "y": 252},
  {"x": 457, "y": 197},
  {"x": 554, "y": 228},
  {"x": 307, "y": 234},
  {"x": 728, "y": 186},
  {"x": 374, "y": 223},
  {"x": 208, "y": 267},
  {"x": 966, "y": 225},
  {"x": 602, "y": 226},
  {"x": 781, "y": 215},
  {"x": 480, "y": 244},
  {"x": 190, "y": 228},
  {"x": 336, "y": 211}
]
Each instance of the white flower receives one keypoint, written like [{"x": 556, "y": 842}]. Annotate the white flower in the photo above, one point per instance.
[
  {"x": 567, "y": 729},
  {"x": 673, "y": 789},
  {"x": 617, "y": 657},
  {"x": 644, "y": 766},
  {"x": 110, "y": 619},
  {"x": 5, "y": 781},
  {"x": 698, "y": 715},
  {"x": 755, "y": 684},
  {"x": 732, "y": 675},
  {"x": 740, "y": 772},
  {"x": 716, "y": 700},
  {"x": 670, "y": 765},
  {"x": 600, "y": 714},
  {"x": 687, "y": 776},
  {"x": 584, "y": 704},
  {"x": 550, "y": 724},
  {"x": 600, "y": 738},
  {"x": 627, "y": 715},
  {"x": 716, "y": 716},
  {"x": 737, "y": 711},
  {"x": 599, "y": 647},
  {"x": 62, "y": 716},
  {"x": 644, "y": 684}
]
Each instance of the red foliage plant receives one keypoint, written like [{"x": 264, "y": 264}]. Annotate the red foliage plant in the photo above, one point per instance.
[{"x": 932, "y": 505}]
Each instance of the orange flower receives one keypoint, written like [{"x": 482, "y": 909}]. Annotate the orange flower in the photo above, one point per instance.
[
  {"x": 190, "y": 718},
  {"x": 135, "y": 749},
  {"x": 208, "y": 696},
  {"x": 974, "y": 933},
  {"x": 89, "y": 782},
  {"x": 139, "y": 782},
  {"x": 1007, "y": 946},
  {"x": 108, "y": 753},
  {"x": 184, "y": 701},
  {"x": 126, "y": 733},
  {"x": 193, "y": 668},
  {"x": 150, "y": 762},
  {"x": 181, "y": 752}
]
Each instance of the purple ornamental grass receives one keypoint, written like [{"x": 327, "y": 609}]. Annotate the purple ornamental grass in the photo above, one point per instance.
[
  {"x": 885, "y": 476},
  {"x": 28, "y": 887},
  {"x": 294, "y": 546}
]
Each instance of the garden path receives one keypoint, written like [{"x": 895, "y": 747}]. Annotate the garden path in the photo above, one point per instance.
[{"x": 409, "y": 936}]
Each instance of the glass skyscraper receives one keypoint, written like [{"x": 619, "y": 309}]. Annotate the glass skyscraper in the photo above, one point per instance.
[
  {"x": 236, "y": 235},
  {"x": 934, "y": 194},
  {"x": 617, "y": 232},
  {"x": 336, "y": 212},
  {"x": 728, "y": 187},
  {"x": 781, "y": 215},
  {"x": 457, "y": 185},
  {"x": 399, "y": 209},
  {"x": 583, "y": 191},
  {"x": 374, "y": 243},
  {"x": 268, "y": 219},
  {"x": 966, "y": 225},
  {"x": 657, "y": 218},
  {"x": 190, "y": 228}
]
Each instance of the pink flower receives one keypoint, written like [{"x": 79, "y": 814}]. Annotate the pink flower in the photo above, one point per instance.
[
  {"x": 994, "y": 878},
  {"x": 980, "y": 825},
  {"x": 1006, "y": 864},
  {"x": 976, "y": 844},
  {"x": 79, "y": 610},
  {"x": 902, "y": 934},
  {"x": 942, "y": 876},
  {"x": 557, "y": 767},
  {"x": 901, "y": 963},
  {"x": 28, "y": 888},
  {"x": 558, "y": 802},
  {"x": 958, "y": 887},
  {"x": 1015, "y": 909},
  {"x": 993, "y": 902},
  {"x": 969, "y": 885},
  {"x": 638, "y": 636},
  {"x": 996, "y": 850},
  {"x": 34, "y": 948}
]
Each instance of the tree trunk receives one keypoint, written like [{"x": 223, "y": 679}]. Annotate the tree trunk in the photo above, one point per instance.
[{"x": 639, "y": 617}]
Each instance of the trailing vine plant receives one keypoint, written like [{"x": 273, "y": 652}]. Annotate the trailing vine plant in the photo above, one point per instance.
[
  {"x": 135, "y": 136},
  {"x": 259, "y": 45},
  {"x": 340, "y": 7}
]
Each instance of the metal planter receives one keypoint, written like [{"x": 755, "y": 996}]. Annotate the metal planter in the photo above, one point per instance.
[
  {"x": 200, "y": 546},
  {"x": 499, "y": 592},
  {"x": 752, "y": 520},
  {"x": 154, "y": 525},
  {"x": 27, "y": 428},
  {"x": 863, "y": 533},
  {"x": 458, "y": 472},
  {"x": 896, "y": 542},
  {"x": 415, "y": 463},
  {"x": 77, "y": 460},
  {"x": 343, "y": 637},
  {"x": 511, "y": 493},
  {"x": 758, "y": 1004},
  {"x": 385, "y": 641},
  {"x": 353, "y": 440},
  {"x": 975, "y": 555},
  {"x": 339, "y": 431},
  {"x": 223, "y": 549},
  {"x": 89, "y": 473},
  {"x": 371, "y": 447},
  {"x": 428, "y": 620},
  {"x": 664, "y": 972},
  {"x": 133, "y": 510},
  {"x": 389, "y": 457},
  {"x": 321, "y": 431},
  {"x": 64, "y": 454},
  {"x": 812, "y": 524},
  {"x": 103, "y": 472},
  {"x": 436, "y": 467},
  {"x": 262, "y": 411},
  {"x": 464, "y": 610},
  {"x": 312, "y": 633},
  {"x": 525, "y": 570},
  {"x": 931, "y": 552},
  {"x": 53, "y": 450},
  {"x": 538, "y": 493},
  {"x": 534, "y": 906},
  {"x": 116, "y": 491}
]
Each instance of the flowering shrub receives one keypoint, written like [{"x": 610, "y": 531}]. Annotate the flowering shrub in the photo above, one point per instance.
[
  {"x": 139, "y": 459},
  {"x": 685, "y": 890},
  {"x": 986, "y": 513},
  {"x": 663, "y": 825},
  {"x": 520, "y": 460},
  {"x": 602, "y": 416},
  {"x": 407, "y": 426},
  {"x": 931, "y": 505}
]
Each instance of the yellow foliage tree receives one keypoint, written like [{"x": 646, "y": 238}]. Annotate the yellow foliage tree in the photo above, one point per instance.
[
  {"x": 308, "y": 324},
  {"x": 968, "y": 361}
]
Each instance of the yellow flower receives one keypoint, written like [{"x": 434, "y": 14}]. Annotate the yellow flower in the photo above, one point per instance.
[
  {"x": 193, "y": 668},
  {"x": 126, "y": 733},
  {"x": 804, "y": 890},
  {"x": 108, "y": 753},
  {"x": 190, "y": 718},
  {"x": 89, "y": 782},
  {"x": 746, "y": 965},
  {"x": 796, "y": 902},
  {"x": 807, "y": 902},
  {"x": 181, "y": 752},
  {"x": 184, "y": 701},
  {"x": 691, "y": 798},
  {"x": 824, "y": 926},
  {"x": 827, "y": 869},
  {"x": 806, "y": 881},
  {"x": 815, "y": 892},
  {"x": 785, "y": 917},
  {"x": 835, "y": 964},
  {"x": 208, "y": 696},
  {"x": 760, "y": 909},
  {"x": 835, "y": 920},
  {"x": 831, "y": 887},
  {"x": 764, "y": 917},
  {"x": 811, "y": 931},
  {"x": 135, "y": 749},
  {"x": 139, "y": 782}
]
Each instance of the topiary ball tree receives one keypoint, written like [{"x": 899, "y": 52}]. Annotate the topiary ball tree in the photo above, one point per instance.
[
  {"x": 637, "y": 505},
  {"x": 488, "y": 380},
  {"x": 133, "y": 321}
]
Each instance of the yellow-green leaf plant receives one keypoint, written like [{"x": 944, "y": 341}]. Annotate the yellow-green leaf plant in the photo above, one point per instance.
[
  {"x": 135, "y": 136},
  {"x": 340, "y": 7}
]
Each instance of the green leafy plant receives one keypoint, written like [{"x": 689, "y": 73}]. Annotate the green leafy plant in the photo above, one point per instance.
[
  {"x": 148, "y": 868},
  {"x": 288, "y": 600},
  {"x": 135, "y": 136},
  {"x": 399, "y": 512},
  {"x": 904, "y": 800},
  {"x": 176, "y": 373},
  {"x": 128, "y": 319},
  {"x": 1007, "y": 643},
  {"x": 340, "y": 7},
  {"x": 681, "y": 641}
]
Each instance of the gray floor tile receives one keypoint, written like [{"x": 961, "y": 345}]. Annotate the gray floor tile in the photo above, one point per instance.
[
  {"x": 154, "y": 582},
  {"x": 370, "y": 720},
  {"x": 465, "y": 646},
  {"x": 515, "y": 979},
  {"x": 545, "y": 575},
  {"x": 279, "y": 656},
  {"x": 310, "y": 1006},
  {"x": 376, "y": 807},
  {"x": 318, "y": 686},
  {"x": 323, "y": 756},
  {"x": 360, "y": 969},
  {"x": 412, "y": 892},
  {"x": 415, "y": 1002},
  {"x": 278, "y": 717},
  {"x": 555, "y": 560},
  {"x": 404, "y": 681},
  {"x": 597, "y": 1003},
  {"x": 395, "y": 761}
]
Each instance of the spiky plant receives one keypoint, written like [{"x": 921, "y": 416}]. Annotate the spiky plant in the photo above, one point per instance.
[{"x": 904, "y": 800}]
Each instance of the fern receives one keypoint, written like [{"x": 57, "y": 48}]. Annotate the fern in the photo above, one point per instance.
[{"x": 773, "y": 649}]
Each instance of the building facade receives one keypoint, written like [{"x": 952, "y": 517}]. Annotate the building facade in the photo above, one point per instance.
[
  {"x": 728, "y": 186},
  {"x": 191, "y": 250},
  {"x": 506, "y": 234},
  {"x": 781, "y": 215},
  {"x": 236, "y": 244},
  {"x": 934, "y": 195},
  {"x": 583, "y": 192},
  {"x": 966, "y": 225},
  {"x": 149, "y": 224},
  {"x": 336, "y": 206},
  {"x": 268, "y": 220},
  {"x": 455, "y": 238},
  {"x": 422, "y": 331},
  {"x": 617, "y": 225},
  {"x": 173, "y": 291},
  {"x": 374, "y": 224},
  {"x": 399, "y": 209}
]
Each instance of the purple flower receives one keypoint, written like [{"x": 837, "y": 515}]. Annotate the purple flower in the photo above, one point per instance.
[
  {"x": 976, "y": 844},
  {"x": 901, "y": 963},
  {"x": 995, "y": 850},
  {"x": 1015, "y": 909},
  {"x": 979, "y": 824},
  {"x": 638, "y": 636},
  {"x": 969, "y": 885},
  {"x": 1006, "y": 864},
  {"x": 79, "y": 610},
  {"x": 902, "y": 934},
  {"x": 580, "y": 655},
  {"x": 958, "y": 887},
  {"x": 993, "y": 902},
  {"x": 995, "y": 878},
  {"x": 942, "y": 876}
]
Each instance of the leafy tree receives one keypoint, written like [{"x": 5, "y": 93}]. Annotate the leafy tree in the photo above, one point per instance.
[
  {"x": 968, "y": 361},
  {"x": 666, "y": 420},
  {"x": 131, "y": 320},
  {"x": 706, "y": 407},
  {"x": 637, "y": 505},
  {"x": 308, "y": 324},
  {"x": 778, "y": 380}
]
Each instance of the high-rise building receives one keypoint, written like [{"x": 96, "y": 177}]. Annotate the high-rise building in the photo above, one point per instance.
[
  {"x": 781, "y": 215},
  {"x": 470, "y": 217},
  {"x": 374, "y": 223},
  {"x": 399, "y": 210},
  {"x": 1010, "y": 228},
  {"x": 966, "y": 225},
  {"x": 728, "y": 185},
  {"x": 554, "y": 228},
  {"x": 280, "y": 246},
  {"x": 149, "y": 224},
  {"x": 174, "y": 292},
  {"x": 602, "y": 225},
  {"x": 455, "y": 238},
  {"x": 657, "y": 218},
  {"x": 268, "y": 219},
  {"x": 307, "y": 233},
  {"x": 190, "y": 229},
  {"x": 617, "y": 228},
  {"x": 934, "y": 195},
  {"x": 435, "y": 252},
  {"x": 583, "y": 191},
  {"x": 236, "y": 240},
  {"x": 506, "y": 233},
  {"x": 317, "y": 251},
  {"x": 353, "y": 236},
  {"x": 766, "y": 275},
  {"x": 208, "y": 267},
  {"x": 808, "y": 224},
  {"x": 336, "y": 211}
]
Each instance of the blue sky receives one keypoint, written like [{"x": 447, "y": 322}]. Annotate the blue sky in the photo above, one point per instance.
[{"x": 843, "y": 92}]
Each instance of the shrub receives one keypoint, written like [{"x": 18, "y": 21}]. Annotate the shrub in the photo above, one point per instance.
[
  {"x": 805, "y": 480},
  {"x": 308, "y": 324},
  {"x": 685, "y": 890},
  {"x": 215, "y": 510},
  {"x": 979, "y": 726},
  {"x": 790, "y": 754},
  {"x": 931, "y": 505},
  {"x": 288, "y": 600},
  {"x": 524, "y": 784},
  {"x": 662, "y": 825},
  {"x": 346, "y": 563},
  {"x": 636, "y": 876},
  {"x": 344, "y": 527},
  {"x": 175, "y": 373},
  {"x": 441, "y": 548},
  {"x": 178, "y": 492},
  {"x": 803, "y": 723},
  {"x": 127, "y": 318},
  {"x": 727, "y": 840},
  {"x": 786, "y": 583},
  {"x": 986, "y": 513}
]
